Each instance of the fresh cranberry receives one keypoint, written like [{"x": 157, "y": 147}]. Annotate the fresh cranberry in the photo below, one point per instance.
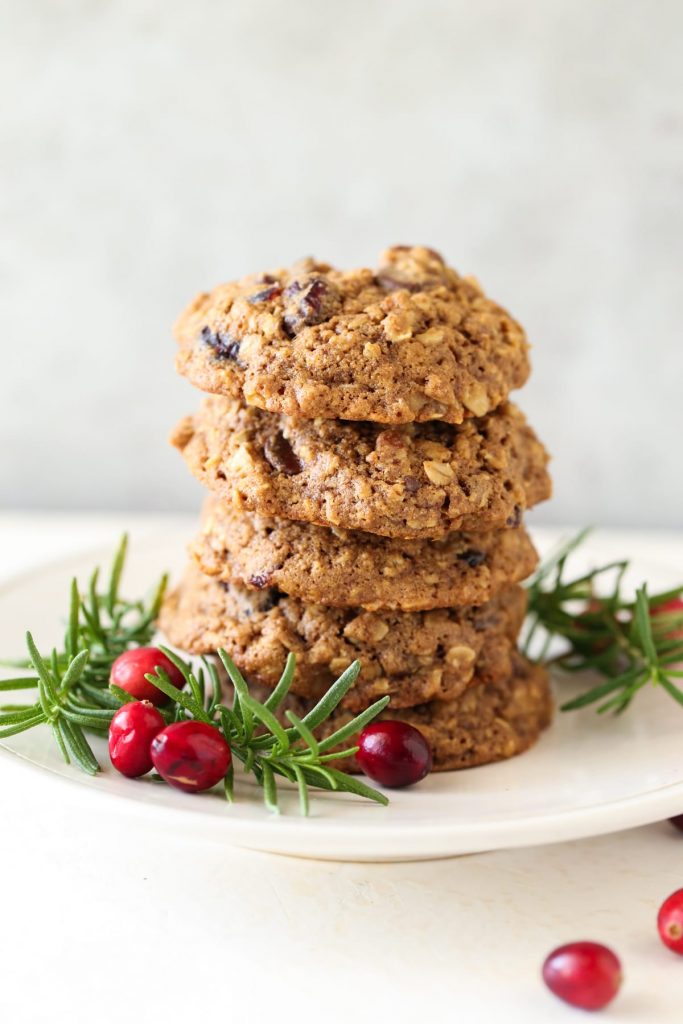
[
  {"x": 584, "y": 974},
  {"x": 675, "y": 604},
  {"x": 677, "y": 822},
  {"x": 670, "y": 921},
  {"x": 129, "y": 670},
  {"x": 191, "y": 755},
  {"x": 131, "y": 732},
  {"x": 672, "y": 607},
  {"x": 394, "y": 753}
]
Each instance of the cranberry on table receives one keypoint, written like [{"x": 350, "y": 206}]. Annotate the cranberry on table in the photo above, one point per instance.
[
  {"x": 394, "y": 754},
  {"x": 129, "y": 670},
  {"x": 670, "y": 921},
  {"x": 191, "y": 755},
  {"x": 131, "y": 731},
  {"x": 583, "y": 974}
]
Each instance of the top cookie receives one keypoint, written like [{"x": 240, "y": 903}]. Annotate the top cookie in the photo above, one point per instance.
[{"x": 412, "y": 341}]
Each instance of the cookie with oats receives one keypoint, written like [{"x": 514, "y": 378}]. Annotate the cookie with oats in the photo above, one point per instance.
[
  {"x": 490, "y": 721},
  {"x": 417, "y": 480},
  {"x": 407, "y": 342},
  {"x": 348, "y": 567},
  {"x": 413, "y": 656}
]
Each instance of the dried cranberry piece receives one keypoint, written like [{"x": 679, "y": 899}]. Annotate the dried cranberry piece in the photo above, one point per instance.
[
  {"x": 280, "y": 454},
  {"x": 260, "y": 580},
  {"x": 412, "y": 484},
  {"x": 292, "y": 289},
  {"x": 314, "y": 301},
  {"x": 289, "y": 325},
  {"x": 271, "y": 599},
  {"x": 223, "y": 344},
  {"x": 265, "y": 295},
  {"x": 311, "y": 302},
  {"x": 515, "y": 517},
  {"x": 472, "y": 557}
]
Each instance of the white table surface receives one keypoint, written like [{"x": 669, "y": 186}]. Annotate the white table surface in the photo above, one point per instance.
[{"x": 106, "y": 919}]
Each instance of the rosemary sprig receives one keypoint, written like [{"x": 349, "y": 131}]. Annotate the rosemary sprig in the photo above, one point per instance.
[
  {"x": 74, "y": 697},
  {"x": 105, "y": 625},
  {"x": 628, "y": 642},
  {"x": 73, "y": 684},
  {"x": 260, "y": 741}
]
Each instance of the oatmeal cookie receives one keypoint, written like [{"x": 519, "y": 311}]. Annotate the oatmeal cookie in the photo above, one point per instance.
[
  {"x": 348, "y": 567},
  {"x": 414, "y": 656},
  {"x": 419, "y": 480},
  {"x": 409, "y": 342},
  {"x": 488, "y": 722}
]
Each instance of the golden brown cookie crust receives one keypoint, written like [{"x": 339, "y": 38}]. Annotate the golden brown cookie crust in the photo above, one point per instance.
[
  {"x": 412, "y": 341},
  {"x": 488, "y": 722},
  {"x": 420, "y": 480},
  {"x": 414, "y": 656},
  {"x": 348, "y": 567}
]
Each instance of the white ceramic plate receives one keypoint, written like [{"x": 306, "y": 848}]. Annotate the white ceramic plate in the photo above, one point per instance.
[{"x": 587, "y": 775}]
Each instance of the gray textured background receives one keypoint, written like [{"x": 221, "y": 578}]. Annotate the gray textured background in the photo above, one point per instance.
[{"x": 149, "y": 149}]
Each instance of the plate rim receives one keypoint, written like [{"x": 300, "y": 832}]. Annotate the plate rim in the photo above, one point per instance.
[{"x": 430, "y": 841}]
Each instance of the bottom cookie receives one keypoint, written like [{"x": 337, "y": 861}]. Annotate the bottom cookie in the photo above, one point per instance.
[{"x": 489, "y": 722}]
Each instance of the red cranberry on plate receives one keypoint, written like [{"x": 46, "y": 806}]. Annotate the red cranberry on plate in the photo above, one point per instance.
[
  {"x": 671, "y": 607},
  {"x": 192, "y": 756},
  {"x": 394, "y": 754},
  {"x": 131, "y": 731},
  {"x": 129, "y": 670}
]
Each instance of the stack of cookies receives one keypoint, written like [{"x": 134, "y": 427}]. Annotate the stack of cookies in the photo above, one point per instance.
[{"x": 368, "y": 479}]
